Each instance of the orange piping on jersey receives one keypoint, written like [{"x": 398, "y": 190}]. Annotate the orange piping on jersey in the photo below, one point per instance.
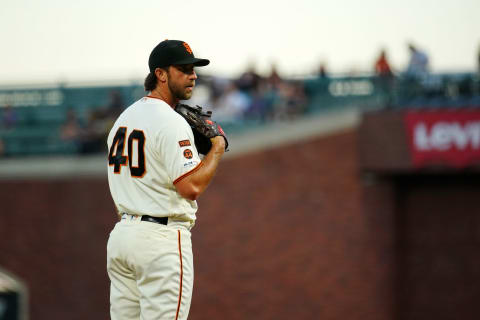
[
  {"x": 186, "y": 174},
  {"x": 154, "y": 98},
  {"x": 181, "y": 274}
]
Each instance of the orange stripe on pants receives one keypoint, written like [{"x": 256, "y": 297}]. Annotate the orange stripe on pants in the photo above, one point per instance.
[{"x": 181, "y": 274}]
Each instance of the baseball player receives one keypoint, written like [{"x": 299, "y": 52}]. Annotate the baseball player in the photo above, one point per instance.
[{"x": 155, "y": 174}]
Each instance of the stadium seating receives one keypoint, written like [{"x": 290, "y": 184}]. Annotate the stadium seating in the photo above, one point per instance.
[{"x": 39, "y": 113}]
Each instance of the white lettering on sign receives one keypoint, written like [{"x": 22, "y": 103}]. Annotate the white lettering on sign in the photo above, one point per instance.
[
  {"x": 31, "y": 98},
  {"x": 443, "y": 136},
  {"x": 350, "y": 88}
]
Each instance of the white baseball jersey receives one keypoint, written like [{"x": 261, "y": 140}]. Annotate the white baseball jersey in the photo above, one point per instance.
[{"x": 151, "y": 148}]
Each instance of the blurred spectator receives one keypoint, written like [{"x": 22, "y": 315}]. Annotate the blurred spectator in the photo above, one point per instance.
[
  {"x": 249, "y": 80},
  {"x": 478, "y": 61},
  {"x": 114, "y": 110},
  {"x": 384, "y": 76},
  {"x": 476, "y": 83},
  {"x": 292, "y": 101},
  {"x": 264, "y": 100},
  {"x": 416, "y": 80},
  {"x": 99, "y": 123},
  {"x": 261, "y": 105},
  {"x": 9, "y": 117},
  {"x": 218, "y": 86},
  {"x": 93, "y": 137},
  {"x": 116, "y": 105},
  {"x": 266, "y": 96},
  {"x": 274, "y": 78},
  {"x": 322, "y": 71},
  {"x": 382, "y": 67},
  {"x": 318, "y": 85},
  {"x": 71, "y": 130},
  {"x": 232, "y": 104},
  {"x": 418, "y": 65}
]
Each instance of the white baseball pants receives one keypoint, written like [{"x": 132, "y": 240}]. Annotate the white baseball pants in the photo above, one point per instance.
[{"x": 150, "y": 267}]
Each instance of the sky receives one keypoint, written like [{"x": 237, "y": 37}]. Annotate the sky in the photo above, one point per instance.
[{"x": 88, "y": 40}]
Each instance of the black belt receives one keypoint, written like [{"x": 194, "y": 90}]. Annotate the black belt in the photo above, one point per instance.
[{"x": 160, "y": 220}]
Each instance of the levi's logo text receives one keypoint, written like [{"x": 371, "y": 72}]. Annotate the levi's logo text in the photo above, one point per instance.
[
  {"x": 184, "y": 143},
  {"x": 189, "y": 50},
  {"x": 444, "y": 137},
  {"x": 188, "y": 154}
]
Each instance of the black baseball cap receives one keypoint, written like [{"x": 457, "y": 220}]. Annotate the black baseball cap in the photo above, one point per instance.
[{"x": 172, "y": 52}]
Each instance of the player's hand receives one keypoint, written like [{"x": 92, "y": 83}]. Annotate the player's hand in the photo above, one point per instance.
[{"x": 218, "y": 142}]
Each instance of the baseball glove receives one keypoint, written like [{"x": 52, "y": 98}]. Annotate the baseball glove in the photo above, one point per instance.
[{"x": 202, "y": 126}]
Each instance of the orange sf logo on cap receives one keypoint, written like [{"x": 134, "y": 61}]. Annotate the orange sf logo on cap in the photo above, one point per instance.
[{"x": 187, "y": 47}]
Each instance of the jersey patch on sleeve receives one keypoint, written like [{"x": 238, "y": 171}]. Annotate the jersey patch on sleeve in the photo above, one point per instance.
[
  {"x": 184, "y": 143},
  {"x": 188, "y": 154},
  {"x": 190, "y": 164}
]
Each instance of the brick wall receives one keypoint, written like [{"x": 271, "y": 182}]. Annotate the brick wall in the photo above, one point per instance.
[
  {"x": 438, "y": 235},
  {"x": 54, "y": 235},
  {"x": 281, "y": 234}
]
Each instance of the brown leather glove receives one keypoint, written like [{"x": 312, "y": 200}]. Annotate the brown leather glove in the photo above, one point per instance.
[{"x": 202, "y": 126}]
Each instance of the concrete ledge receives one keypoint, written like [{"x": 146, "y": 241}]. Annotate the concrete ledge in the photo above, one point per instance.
[{"x": 281, "y": 133}]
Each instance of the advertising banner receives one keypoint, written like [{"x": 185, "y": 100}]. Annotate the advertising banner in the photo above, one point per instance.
[{"x": 450, "y": 138}]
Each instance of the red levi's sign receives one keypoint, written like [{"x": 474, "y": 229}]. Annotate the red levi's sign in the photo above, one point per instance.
[{"x": 444, "y": 137}]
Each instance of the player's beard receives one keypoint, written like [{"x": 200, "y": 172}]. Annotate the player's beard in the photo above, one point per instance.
[{"x": 179, "y": 91}]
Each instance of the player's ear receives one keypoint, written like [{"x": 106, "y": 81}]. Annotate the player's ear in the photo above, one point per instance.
[{"x": 161, "y": 74}]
